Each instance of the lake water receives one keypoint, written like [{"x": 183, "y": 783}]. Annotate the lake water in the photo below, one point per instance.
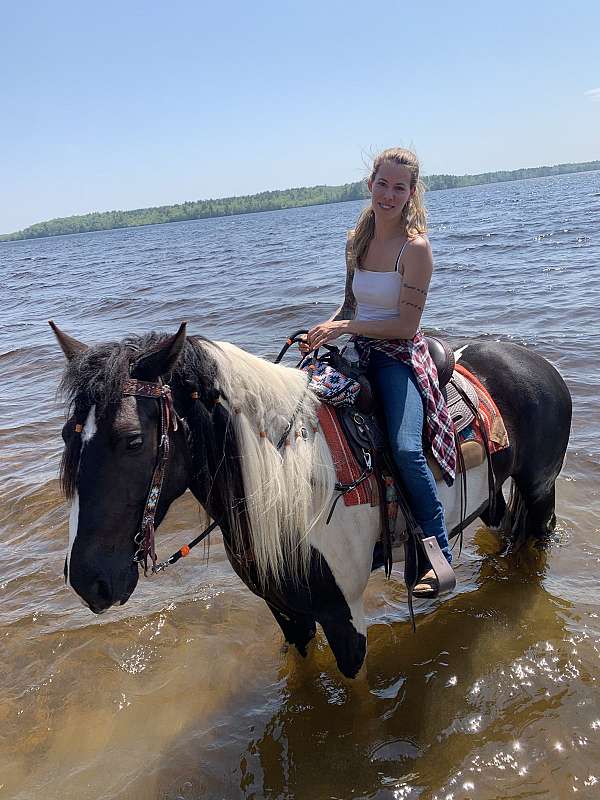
[{"x": 186, "y": 692}]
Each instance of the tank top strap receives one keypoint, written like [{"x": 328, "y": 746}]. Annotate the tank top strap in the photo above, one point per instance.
[{"x": 400, "y": 255}]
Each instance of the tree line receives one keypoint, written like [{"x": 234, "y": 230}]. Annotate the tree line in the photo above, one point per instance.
[{"x": 267, "y": 201}]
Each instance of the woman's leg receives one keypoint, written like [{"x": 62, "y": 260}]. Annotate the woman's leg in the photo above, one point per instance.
[{"x": 403, "y": 409}]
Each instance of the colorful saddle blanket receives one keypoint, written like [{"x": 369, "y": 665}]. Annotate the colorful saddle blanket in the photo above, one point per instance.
[{"x": 490, "y": 419}]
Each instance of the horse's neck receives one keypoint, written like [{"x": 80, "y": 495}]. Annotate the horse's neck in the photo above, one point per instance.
[
  {"x": 209, "y": 430},
  {"x": 214, "y": 476}
]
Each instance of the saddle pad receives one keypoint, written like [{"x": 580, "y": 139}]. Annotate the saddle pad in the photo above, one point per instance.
[
  {"x": 460, "y": 412},
  {"x": 488, "y": 412},
  {"x": 347, "y": 469}
]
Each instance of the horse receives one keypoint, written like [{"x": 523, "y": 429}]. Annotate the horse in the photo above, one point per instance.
[{"x": 154, "y": 415}]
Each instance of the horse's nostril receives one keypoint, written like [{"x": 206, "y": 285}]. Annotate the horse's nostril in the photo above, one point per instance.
[{"x": 102, "y": 591}]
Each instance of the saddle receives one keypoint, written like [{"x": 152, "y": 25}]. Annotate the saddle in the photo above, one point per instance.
[{"x": 461, "y": 398}]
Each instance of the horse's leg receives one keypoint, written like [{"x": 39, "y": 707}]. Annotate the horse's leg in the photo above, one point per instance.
[
  {"x": 331, "y": 599},
  {"x": 339, "y": 575},
  {"x": 349, "y": 646},
  {"x": 342, "y": 619},
  {"x": 529, "y": 513},
  {"x": 298, "y": 630},
  {"x": 541, "y": 517}
]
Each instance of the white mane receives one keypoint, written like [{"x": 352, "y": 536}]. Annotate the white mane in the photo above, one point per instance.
[{"x": 287, "y": 491}]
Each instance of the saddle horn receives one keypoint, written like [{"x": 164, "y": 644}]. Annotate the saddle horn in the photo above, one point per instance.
[{"x": 70, "y": 346}]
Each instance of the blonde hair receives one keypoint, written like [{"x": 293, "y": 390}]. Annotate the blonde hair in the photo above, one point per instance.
[{"x": 414, "y": 215}]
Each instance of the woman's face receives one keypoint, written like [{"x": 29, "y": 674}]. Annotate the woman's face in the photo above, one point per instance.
[{"x": 390, "y": 190}]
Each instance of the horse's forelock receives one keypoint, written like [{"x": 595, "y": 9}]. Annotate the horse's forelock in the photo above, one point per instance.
[
  {"x": 97, "y": 375},
  {"x": 69, "y": 465}
]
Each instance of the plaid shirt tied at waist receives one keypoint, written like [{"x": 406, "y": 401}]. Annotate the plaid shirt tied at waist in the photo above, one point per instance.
[{"x": 439, "y": 430}]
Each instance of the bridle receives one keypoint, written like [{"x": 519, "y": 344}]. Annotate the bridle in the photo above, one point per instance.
[{"x": 144, "y": 538}]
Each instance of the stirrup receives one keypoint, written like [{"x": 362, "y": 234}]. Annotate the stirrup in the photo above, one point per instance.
[{"x": 440, "y": 579}]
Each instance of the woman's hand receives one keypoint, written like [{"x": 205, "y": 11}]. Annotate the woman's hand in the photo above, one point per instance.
[
  {"x": 303, "y": 345},
  {"x": 323, "y": 333}
]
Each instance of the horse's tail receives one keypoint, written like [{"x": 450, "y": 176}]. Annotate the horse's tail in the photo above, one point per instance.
[
  {"x": 514, "y": 522},
  {"x": 529, "y": 514}
]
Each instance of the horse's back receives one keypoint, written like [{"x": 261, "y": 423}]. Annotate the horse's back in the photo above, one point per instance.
[
  {"x": 532, "y": 396},
  {"x": 511, "y": 371}
]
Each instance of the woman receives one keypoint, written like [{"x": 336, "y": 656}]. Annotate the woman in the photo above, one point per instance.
[{"x": 389, "y": 266}]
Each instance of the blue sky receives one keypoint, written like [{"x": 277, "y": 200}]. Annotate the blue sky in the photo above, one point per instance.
[{"x": 118, "y": 105}]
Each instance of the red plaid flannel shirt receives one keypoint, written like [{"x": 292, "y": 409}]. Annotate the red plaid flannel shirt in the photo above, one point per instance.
[{"x": 438, "y": 424}]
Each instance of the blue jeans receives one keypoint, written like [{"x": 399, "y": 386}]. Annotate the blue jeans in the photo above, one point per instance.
[{"x": 404, "y": 415}]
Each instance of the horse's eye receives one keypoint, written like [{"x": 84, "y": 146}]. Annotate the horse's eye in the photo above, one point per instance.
[{"x": 134, "y": 442}]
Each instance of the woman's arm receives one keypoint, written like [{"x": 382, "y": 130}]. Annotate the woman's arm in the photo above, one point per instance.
[{"x": 418, "y": 268}]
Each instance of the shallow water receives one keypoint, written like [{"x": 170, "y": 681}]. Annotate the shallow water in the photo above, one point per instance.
[{"x": 186, "y": 691}]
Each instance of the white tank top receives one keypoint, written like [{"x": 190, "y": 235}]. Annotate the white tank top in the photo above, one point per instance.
[{"x": 377, "y": 293}]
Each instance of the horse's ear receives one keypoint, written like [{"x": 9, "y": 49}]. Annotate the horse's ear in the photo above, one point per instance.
[
  {"x": 162, "y": 359},
  {"x": 70, "y": 347}
]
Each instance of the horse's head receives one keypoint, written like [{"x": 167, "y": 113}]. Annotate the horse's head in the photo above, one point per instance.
[{"x": 114, "y": 448}]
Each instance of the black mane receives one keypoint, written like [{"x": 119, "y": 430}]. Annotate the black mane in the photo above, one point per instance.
[{"x": 96, "y": 376}]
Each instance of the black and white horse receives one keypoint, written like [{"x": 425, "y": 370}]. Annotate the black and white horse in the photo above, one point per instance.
[{"x": 271, "y": 503}]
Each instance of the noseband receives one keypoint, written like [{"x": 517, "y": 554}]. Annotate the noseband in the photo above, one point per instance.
[{"x": 144, "y": 538}]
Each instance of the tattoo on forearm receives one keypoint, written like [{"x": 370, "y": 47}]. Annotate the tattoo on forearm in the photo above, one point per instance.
[
  {"x": 412, "y": 305},
  {"x": 345, "y": 312},
  {"x": 415, "y": 289},
  {"x": 349, "y": 299},
  {"x": 349, "y": 305}
]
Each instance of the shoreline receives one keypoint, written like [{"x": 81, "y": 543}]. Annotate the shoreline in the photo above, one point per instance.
[{"x": 274, "y": 201}]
